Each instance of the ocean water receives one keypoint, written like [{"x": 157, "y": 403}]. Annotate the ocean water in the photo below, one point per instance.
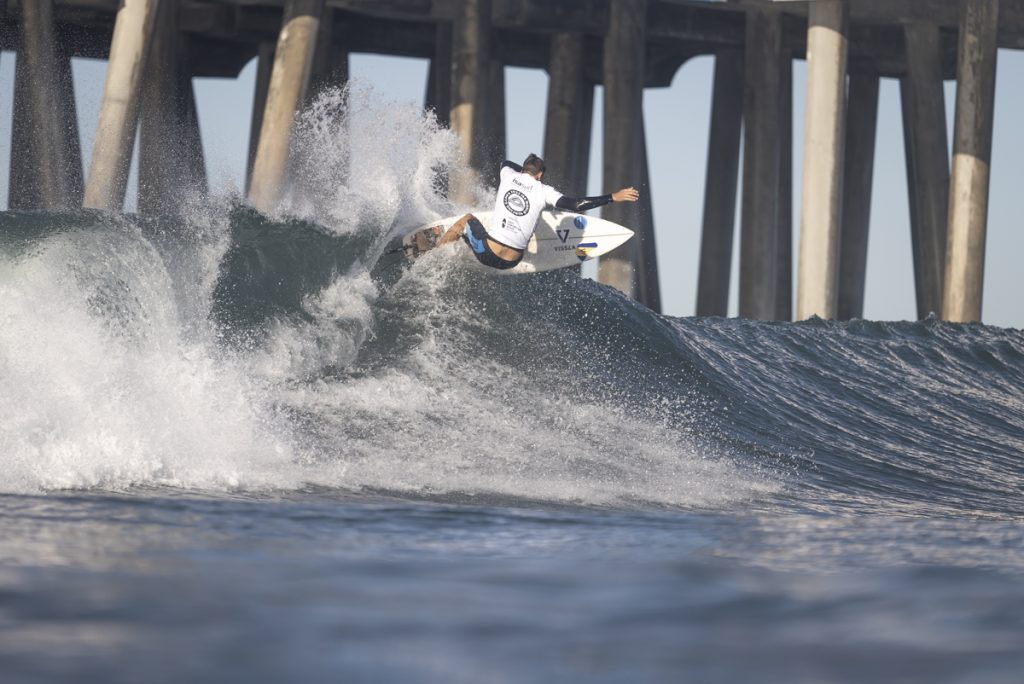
[{"x": 238, "y": 447}]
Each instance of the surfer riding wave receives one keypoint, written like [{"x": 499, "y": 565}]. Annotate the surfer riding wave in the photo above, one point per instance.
[{"x": 521, "y": 198}]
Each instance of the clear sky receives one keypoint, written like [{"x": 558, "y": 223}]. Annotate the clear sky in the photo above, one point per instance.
[{"x": 677, "y": 120}]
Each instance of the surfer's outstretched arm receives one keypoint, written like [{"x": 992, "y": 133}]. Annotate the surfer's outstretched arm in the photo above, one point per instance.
[{"x": 581, "y": 204}]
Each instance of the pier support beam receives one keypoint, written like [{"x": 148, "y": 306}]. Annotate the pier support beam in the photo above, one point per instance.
[
  {"x": 569, "y": 118},
  {"x": 862, "y": 121},
  {"x": 924, "y": 120},
  {"x": 784, "y": 243},
  {"x": 823, "y": 160},
  {"x": 439, "y": 78},
  {"x": 648, "y": 288},
  {"x": 119, "y": 111},
  {"x": 170, "y": 150},
  {"x": 289, "y": 80},
  {"x": 623, "y": 68},
  {"x": 264, "y": 68},
  {"x": 470, "y": 84},
  {"x": 194, "y": 142},
  {"x": 495, "y": 138},
  {"x": 330, "y": 61},
  {"x": 51, "y": 155},
  {"x": 720, "y": 185},
  {"x": 581, "y": 159},
  {"x": 972, "y": 156},
  {"x": 565, "y": 112},
  {"x": 762, "y": 116},
  {"x": 23, "y": 188}
]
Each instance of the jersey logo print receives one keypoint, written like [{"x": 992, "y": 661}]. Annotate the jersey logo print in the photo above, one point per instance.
[
  {"x": 563, "y": 235},
  {"x": 517, "y": 203}
]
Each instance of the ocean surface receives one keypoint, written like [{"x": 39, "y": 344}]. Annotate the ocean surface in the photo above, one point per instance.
[{"x": 238, "y": 447}]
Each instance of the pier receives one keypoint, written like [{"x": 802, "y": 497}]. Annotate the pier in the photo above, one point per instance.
[{"x": 155, "y": 48}]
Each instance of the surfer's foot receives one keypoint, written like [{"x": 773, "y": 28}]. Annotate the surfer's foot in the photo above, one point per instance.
[{"x": 455, "y": 232}]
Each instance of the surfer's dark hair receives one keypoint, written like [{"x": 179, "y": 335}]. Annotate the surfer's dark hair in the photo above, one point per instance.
[{"x": 533, "y": 165}]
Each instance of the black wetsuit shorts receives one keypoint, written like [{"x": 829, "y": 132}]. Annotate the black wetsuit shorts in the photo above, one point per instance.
[{"x": 475, "y": 236}]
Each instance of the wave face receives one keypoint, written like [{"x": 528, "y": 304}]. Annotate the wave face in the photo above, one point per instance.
[{"x": 225, "y": 350}]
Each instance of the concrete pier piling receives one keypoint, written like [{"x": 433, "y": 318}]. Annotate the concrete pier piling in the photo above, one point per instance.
[
  {"x": 289, "y": 79},
  {"x": 823, "y": 159},
  {"x": 439, "y": 79},
  {"x": 264, "y": 68},
  {"x": 24, "y": 187},
  {"x": 51, "y": 155},
  {"x": 565, "y": 115},
  {"x": 330, "y": 60},
  {"x": 623, "y": 71},
  {"x": 193, "y": 141},
  {"x": 972, "y": 155},
  {"x": 720, "y": 184},
  {"x": 119, "y": 111},
  {"x": 170, "y": 150},
  {"x": 862, "y": 119},
  {"x": 495, "y": 138},
  {"x": 762, "y": 117},
  {"x": 470, "y": 85},
  {"x": 928, "y": 162},
  {"x": 581, "y": 159},
  {"x": 648, "y": 287},
  {"x": 784, "y": 241}
]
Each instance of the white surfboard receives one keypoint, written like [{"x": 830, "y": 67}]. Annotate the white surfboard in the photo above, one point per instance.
[{"x": 562, "y": 239}]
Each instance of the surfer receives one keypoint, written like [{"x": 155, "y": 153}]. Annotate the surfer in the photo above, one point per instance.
[{"x": 521, "y": 197}]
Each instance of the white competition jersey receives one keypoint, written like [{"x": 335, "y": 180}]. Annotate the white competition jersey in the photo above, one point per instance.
[{"x": 517, "y": 208}]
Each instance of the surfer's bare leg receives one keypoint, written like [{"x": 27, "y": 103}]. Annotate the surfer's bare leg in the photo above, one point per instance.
[{"x": 455, "y": 232}]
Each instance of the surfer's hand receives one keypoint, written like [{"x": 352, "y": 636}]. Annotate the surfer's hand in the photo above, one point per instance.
[{"x": 626, "y": 195}]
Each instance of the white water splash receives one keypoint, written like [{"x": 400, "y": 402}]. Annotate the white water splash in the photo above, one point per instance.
[
  {"x": 106, "y": 386},
  {"x": 114, "y": 377},
  {"x": 361, "y": 161}
]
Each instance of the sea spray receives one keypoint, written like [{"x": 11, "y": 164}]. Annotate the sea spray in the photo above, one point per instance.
[{"x": 363, "y": 163}]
